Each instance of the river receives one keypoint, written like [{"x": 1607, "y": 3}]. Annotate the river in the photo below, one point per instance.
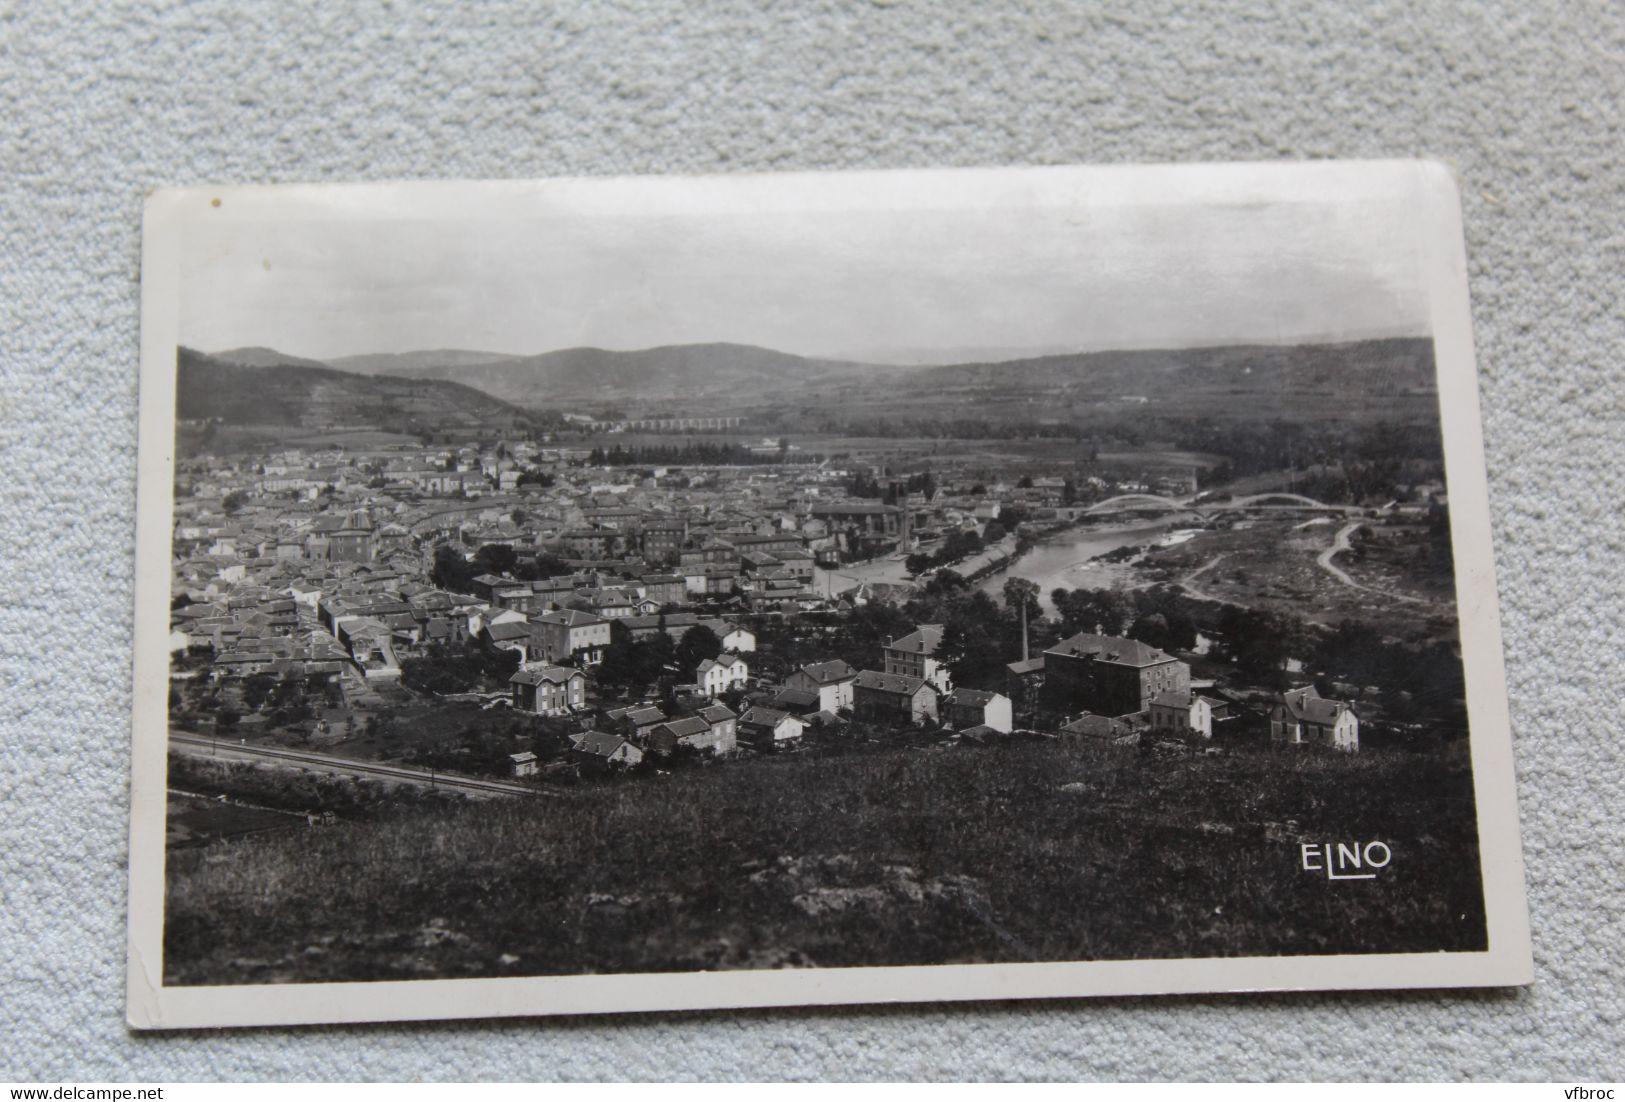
[
  {"x": 1060, "y": 560},
  {"x": 1064, "y": 559}
]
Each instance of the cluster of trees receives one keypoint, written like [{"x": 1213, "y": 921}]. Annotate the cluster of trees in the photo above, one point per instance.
[
  {"x": 1418, "y": 681},
  {"x": 479, "y": 747},
  {"x": 867, "y": 485},
  {"x": 1343, "y": 461},
  {"x": 958, "y": 546},
  {"x": 632, "y": 665},
  {"x": 459, "y": 669},
  {"x": 696, "y": 453},
  {"x": 864, "y": 484},
  {"x": 452, "y": 571},
  {"x": 952, "y": 428},
  {"x": 1156, "y": 615},
  {"x": 285, "y": 702}
]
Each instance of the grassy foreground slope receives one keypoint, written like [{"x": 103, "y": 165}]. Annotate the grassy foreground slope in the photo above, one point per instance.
[{"x": 1025, "y": 852}]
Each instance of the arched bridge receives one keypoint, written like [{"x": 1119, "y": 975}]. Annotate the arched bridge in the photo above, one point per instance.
[
  {"x": 1135, "y": 503},
  {"x": 1125, "y": 503}
]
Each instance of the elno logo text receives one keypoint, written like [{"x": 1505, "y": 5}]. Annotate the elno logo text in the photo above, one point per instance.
[{"x": 1345, "y": 860}]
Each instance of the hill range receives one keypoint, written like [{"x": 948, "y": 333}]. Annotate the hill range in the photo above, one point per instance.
[
  {"x": 735, "y": 375},
  {"x": 263, "y": 387}
]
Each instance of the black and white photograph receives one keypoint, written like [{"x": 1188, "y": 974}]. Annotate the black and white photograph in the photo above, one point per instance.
[{"x": 618, "y": 594}]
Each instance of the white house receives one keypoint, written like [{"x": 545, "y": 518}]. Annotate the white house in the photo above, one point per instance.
[
  {"x": 1181, "y": 714},
  {"x": 968, "y": 708},
  {"x": 718, "y": 675},
  {"x": 548, "y": 690},
  {"x": 832, "y": 681},
  {"x": 914, "y": 656},
  {"x": 1304, "y": 716},
  {"x": 768, "y": 729},
  {"x": 734, "y": 638}
]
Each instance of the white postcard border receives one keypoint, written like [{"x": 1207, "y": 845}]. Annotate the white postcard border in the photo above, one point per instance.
[{"x": 1508, "y": 959}]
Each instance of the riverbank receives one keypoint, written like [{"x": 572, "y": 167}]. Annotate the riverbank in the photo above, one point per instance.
[{"x": 1070, "y": 556}]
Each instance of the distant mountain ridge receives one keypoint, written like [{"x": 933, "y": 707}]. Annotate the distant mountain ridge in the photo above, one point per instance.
[
  {"x": 259, "y": 356},
  {"x": 260, "y": 386},
  {"x": 727, "y": 374},
  {"x": 406, "y": 363},
  {"x": 682, "y": 371},
  {"x": 1387, "y": 365}
]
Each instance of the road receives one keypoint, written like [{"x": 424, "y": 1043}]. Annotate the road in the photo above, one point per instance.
[
  {"x": 204, "y": 746},
  {"x": 1341, "y": 544}
]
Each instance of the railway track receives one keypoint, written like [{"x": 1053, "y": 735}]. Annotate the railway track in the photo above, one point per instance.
[{"x": 236, "y": 751}]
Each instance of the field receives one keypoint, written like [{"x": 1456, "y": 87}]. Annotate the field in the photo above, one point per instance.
[
  {"x": 226, "y": 439},
  {"x": 1030, "y": 851},
  {"x": 942, "y": 451},
  {"x": 195, "y": 820},
  {"x": 1274, "y": 563}
]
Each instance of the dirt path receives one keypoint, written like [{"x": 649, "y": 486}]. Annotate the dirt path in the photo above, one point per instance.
[
  {"x": 1341, "y": 544},
  {"x": 1188, "y": 582},
  {"x": 229, "y": 802}
]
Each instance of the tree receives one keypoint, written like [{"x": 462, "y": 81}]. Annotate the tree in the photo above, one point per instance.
[
  {"x": 622, "y": 666},
  {"x": 256, "y": 689},
  {"x": 1152, "y": 629},
  {"x": 1259, "y": 642},
  {"x": 234, "y": 501},
  {"x": 698, "y": 644},
  {"x": 977, "y": 640},
  {"x": 451, "y": 571},
  {"x": 1102, "y": 611},
  {"x": 499, "y": 665},
  {"x": 957, "y": 649},
  {"x": 863, "y": 485},
  {"x": 1026, "y": 482},
  {"x": 994, "y": 532},
  {"x": 1019, "y": 593},
  {"x": 917, "y": 563},
  {"x": 444, "y": 670},
  {"x": 959, "y": 545},
  {"x": 495, "y": 558},
  {"x": 660, "y": 651}
]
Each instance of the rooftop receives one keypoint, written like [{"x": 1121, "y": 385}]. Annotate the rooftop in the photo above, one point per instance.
[
  {"x": 536, "y": 675},
  {"x": 922, "y": 640},
  {"x": 1307, "y": 704},
  {"x": 827, "y": 673},
  {"x": 1110, "y": 648},
  {"x": 876, "y": 681}
]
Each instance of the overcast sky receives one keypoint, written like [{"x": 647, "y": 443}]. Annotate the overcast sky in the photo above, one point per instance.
[{"x": 887, "y": 285}]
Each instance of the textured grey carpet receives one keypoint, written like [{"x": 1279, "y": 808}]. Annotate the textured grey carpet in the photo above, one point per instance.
[{"x": 102, "y": 101}]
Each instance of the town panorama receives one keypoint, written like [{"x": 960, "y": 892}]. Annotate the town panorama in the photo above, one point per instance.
[{"x": 714, "y": 657}]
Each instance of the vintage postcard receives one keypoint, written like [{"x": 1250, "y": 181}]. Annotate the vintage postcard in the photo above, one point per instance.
[{"x": 625, "y": 594}]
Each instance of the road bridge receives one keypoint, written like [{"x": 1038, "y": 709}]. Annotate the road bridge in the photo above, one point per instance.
[{"x": 1275, "y": 500}]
